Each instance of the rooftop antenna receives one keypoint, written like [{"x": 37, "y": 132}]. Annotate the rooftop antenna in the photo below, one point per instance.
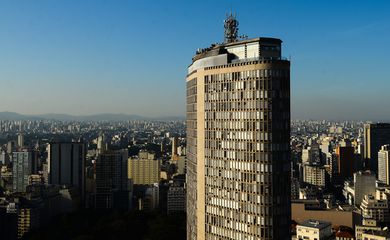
[{"x": 231, "y": 28}]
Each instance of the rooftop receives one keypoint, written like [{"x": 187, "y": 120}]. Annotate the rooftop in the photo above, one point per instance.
[
  {"x": 315, "y": 224},
  {"x": 220, "y": 48},
  {"x": 232, "y": 39}
]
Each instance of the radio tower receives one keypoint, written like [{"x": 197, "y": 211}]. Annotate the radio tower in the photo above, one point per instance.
[{"x": 231, "y": 28}]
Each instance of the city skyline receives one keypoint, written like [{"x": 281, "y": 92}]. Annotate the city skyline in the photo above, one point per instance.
[{"x": 95, "y": 57}]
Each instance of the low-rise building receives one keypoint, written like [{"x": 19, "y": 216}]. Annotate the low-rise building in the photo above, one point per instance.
[
  {"x": 314, "y": 230},
  {"x": 367, "y": 224},
  {"x": 376, "y": 235},
  {"x": 338, "y": 216},
  {"x": 344, "y": 233}
]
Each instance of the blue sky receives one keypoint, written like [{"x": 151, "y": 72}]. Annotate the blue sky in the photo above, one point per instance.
[{"x": 95, "y": 56}]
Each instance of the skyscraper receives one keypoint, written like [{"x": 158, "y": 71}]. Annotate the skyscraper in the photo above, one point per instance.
[
  {"x": 66, "y": 164},
  {"x": 174, "y": 147},
  {"x": 384, "y": 164},
  {"x": 111, "y": 180},
  {"x": 238, "y": 135},
  {"x": 145, "y": 169},
  {"x": 20, "y": 140},
  {"x": 375, "y": 136},
  {"x": 24, "y": 164},
  {"x": 346, "y": 161}
]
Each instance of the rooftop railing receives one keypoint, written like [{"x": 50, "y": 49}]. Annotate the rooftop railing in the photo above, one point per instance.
[{"x": 258, "y": 59}]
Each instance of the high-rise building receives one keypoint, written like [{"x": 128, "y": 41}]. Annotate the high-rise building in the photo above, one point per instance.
[
  {"x": 66, "y": 164},
  {"x": 28, "y": 218},
  {"x": 314, "y": 175},
  {"x": 24, "y": 164},
  {"x": 181, "y": 165},
  {"x": 174, "y": 147},
  {"x": 111, "y": 180},
  {"x": 11, "y": 146},
  {"x": 384, "y": 164},
  {"x": 306, "y": 155},
  {"x": 4, "y": 158},
  {"x": 346, "y": 162},
  {"x": 181, "y": 151},
  {"x": 151, "y": 199},
  {"x": 20, "y": 140},
  {"x": 145, "y": 169},
  {"x": 311, "y": 154},
  {"x": 176, "y": 199},
  {"x": 375, "y": 136},
  {"x": 101, "y": 145},
  {"x": 325, "y": 146},
  {"x": 238, "y": 135},
  {"x": 364, "y": 184}
]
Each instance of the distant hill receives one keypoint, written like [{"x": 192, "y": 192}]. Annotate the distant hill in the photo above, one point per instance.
[
  {"x": 17, "y": 116},
  {"x": 95, "y": 117}
]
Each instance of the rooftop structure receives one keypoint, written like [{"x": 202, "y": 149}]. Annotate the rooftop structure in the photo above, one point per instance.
[{"x": 315, "y": 224}]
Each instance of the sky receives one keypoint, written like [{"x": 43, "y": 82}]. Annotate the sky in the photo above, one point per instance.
[{"x": 121, "y": 56}]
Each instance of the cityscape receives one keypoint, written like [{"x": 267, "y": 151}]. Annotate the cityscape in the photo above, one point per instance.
[{"x": 234, "y": 157}]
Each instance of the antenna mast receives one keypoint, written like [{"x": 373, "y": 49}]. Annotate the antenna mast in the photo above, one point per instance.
[{"x": 231, "y": 28}]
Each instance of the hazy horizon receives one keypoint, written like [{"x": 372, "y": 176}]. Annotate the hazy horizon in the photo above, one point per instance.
[
  {"x": 93, "y": 57},
  {"x": 171, "y": 117}
]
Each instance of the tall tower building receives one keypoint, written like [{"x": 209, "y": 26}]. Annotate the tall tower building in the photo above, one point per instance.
[
  {"x": 24, "y": 164},
  {"x": 20, "y": 140},
  {"x": 101, "y": 145},
  {"x": 346, "y": 162},
  {"x": 384, "y": 164},
  {"x": 112, "y": 180},
  {"x": 174, "y": 147},
  {"x": 375, "y": 136},
  {"x": 66, "y": 164},
  {"x": 238, "y": 135}
]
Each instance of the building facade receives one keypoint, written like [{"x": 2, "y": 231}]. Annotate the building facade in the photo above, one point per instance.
[
  {"x": 238, "y": 134},
  {"x": 24, "y": 164},
  {"x": 384, "y": 164},
  {"x": 66, "y": 164},
  {"x": 377, "y": 209},
  {"x": 314, "y": 175},
  {"x": 176, "y": 200},
  {"x": 28, "y": 218},
  {"x": 364, "y": 184},
  {"x": 367, "y": 224},
  {"x": 145, "y": 169},
  {"x": 175, "y": 141},
  {"x": 346, "y": 162},
  {"x": 20, "y": 140},
  {"x": 376, "y": 235},
  {"x": 314, "y": 230},
  {"x": 111, "y": 190},
  {"x": 375, "y": 136}
]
